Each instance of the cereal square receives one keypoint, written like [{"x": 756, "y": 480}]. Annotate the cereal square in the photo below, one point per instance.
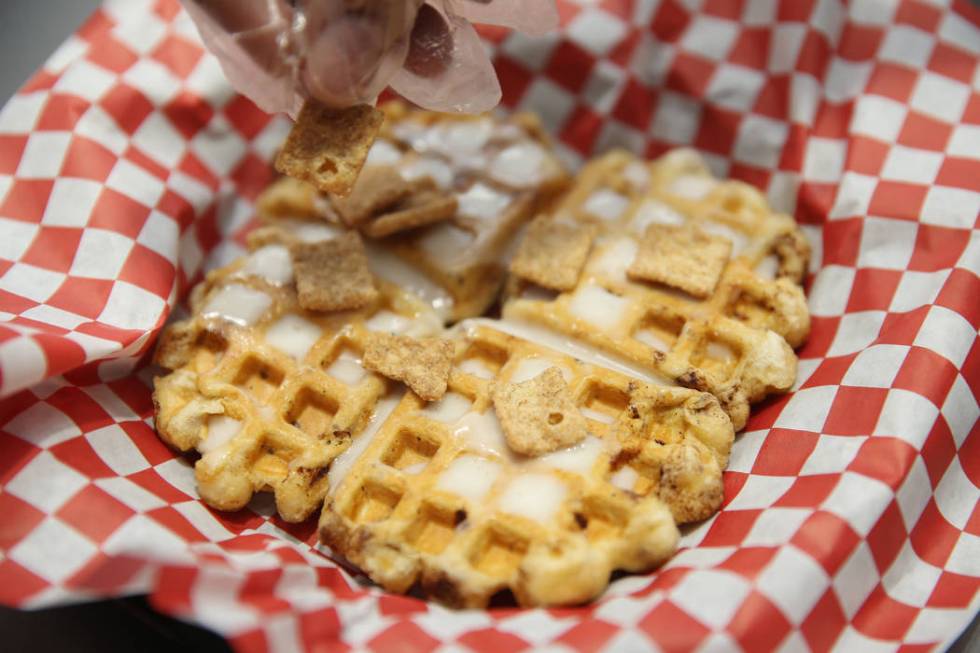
[
  {"x": 333, "y": 275},
  {"x": 553, "y": 252},
  {"x": 423, "y": 364},
  {"x": 683, "y": 257},
  {"x": 538, "y": 415},
  {"x": 327, "y": 147}
]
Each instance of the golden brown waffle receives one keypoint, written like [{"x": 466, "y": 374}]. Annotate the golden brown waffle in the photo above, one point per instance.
[
  {"x": 434, "y": 498},
  {"x": 268, "y": 393},
  {"x": 500, "y": 172},
  {"x": 732, "y": 339}
]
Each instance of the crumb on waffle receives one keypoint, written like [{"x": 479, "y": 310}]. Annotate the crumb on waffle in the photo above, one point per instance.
[
  {"x": 689, "y": 483},
  {"x": 422, "y": 364}
]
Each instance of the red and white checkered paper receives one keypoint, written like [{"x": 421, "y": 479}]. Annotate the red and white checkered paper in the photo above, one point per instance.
[{"x": 851, "y": 519}]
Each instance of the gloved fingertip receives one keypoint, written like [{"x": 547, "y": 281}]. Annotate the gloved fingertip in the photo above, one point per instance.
[
  {"x": 343, "y": 63},
  {"x": 430, "y": 48}
]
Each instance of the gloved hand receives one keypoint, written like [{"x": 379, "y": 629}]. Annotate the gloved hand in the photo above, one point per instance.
[{"x": 344, "y": 52}]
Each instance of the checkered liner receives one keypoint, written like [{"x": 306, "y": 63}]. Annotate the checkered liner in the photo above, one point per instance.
[{"x": 127, "y": 164}]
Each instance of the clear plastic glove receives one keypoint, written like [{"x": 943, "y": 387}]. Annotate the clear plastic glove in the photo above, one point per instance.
[{"x": 344, "y": 52}]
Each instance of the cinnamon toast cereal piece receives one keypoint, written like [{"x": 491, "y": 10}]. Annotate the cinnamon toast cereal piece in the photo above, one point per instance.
[
  {"x": 327, "y": 147},
  {"x": 418, "y": 210},
  {"x": 538, "y": 416},
  {"x": 553, "y": 252},
  {"x": 423, "y": 364},
  {"x": 383, "y": 202},
  {"x": 683, "y": 257},
  {"x": 377, "y": 189},
  {"x": 333, "y": 275}
]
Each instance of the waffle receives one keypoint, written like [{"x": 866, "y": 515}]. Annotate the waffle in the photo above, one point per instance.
[
  {"x": 500, "y": 173},
  {"x": 434, "y": 499},
  {"x": 267, "y": 392},
  {"x": 691, "y": 279}
]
